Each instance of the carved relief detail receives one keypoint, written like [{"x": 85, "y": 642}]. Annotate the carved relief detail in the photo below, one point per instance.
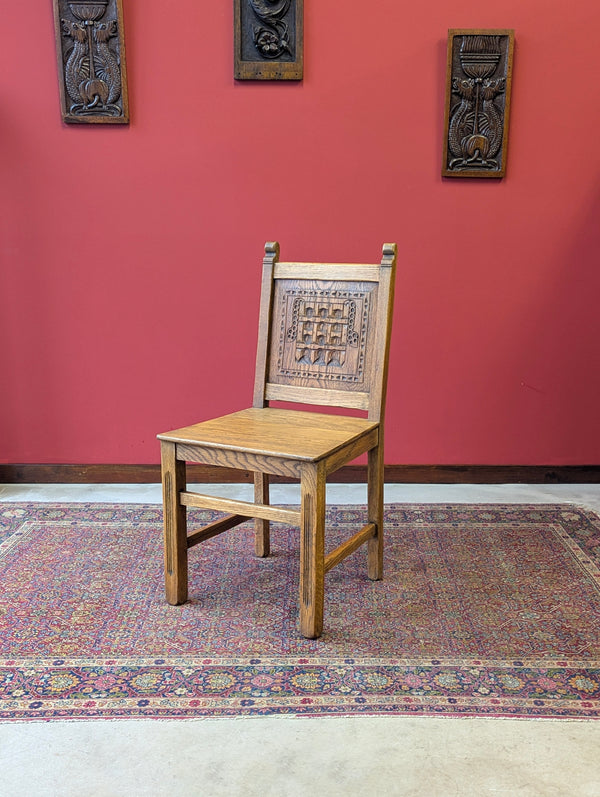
[
  {"x": 268, "y": 39},
  {"x": 272, "y": 35},
  {"x": 475, "y": 132},
  {"x": 480, "y": 69},
  {"x": 323, "y": 334},
  {"x": 90, "y": 52}
]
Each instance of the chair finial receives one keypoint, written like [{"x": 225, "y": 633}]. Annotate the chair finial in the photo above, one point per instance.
[
  {"x": 272, "y": 248},
  {"x": 390, "y": 251}
]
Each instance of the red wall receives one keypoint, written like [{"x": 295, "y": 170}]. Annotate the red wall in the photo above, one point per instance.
[{"x": 130, "y": 256}]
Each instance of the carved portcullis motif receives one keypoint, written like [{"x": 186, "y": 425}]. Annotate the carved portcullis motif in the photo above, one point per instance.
[
  {"x": 477, "y": 102},
  {"x": 90, "y": 51},
  {"x": 268, "y": 39},
  {"x": 322, "y": 335}
]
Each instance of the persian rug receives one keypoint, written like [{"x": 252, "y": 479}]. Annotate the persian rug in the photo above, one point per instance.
[{"x": 484, "y": 611}]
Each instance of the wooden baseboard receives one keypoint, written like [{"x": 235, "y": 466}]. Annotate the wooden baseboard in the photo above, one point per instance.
[{"x": 394, "y": 474}]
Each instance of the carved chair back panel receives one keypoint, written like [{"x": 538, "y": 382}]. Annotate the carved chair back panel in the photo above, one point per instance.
[{"x": 323, "y": 334}]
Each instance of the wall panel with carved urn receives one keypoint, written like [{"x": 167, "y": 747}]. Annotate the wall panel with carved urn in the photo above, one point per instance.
[
  {"x": 90, "y": 49},
  {"x": 478, "y": 85},
  {"x": 268, "y": 39}
]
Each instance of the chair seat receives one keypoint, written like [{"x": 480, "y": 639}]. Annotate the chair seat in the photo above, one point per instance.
[{"x": 289, "y": 434}]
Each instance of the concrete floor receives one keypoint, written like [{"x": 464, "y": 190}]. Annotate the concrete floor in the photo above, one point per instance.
[{"x": 292, "y": 756}]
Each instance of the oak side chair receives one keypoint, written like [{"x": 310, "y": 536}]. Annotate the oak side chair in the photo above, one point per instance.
[{"x": 324, "y": 337}]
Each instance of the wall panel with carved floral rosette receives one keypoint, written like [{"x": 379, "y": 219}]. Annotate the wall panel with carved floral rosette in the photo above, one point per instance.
[
  {"x": 90, "y": 49},
  {"x": 268, "y": 39},
  {"x": 478, "y": 86}
]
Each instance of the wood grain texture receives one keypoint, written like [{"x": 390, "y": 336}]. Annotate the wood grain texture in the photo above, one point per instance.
[
  {"x": 353, "y": 272},
  {"x": 312, "y": 550},
  {"x": 262, "y": 540},
  {"x": 213, "y": 529},
  {"x": 375, "y": 477},
  {"x": 175, "y": 531},
  {"x": 264, "y": 322},
  {"x": 354, "y": 449},
  {"x": 323, "y": 335},
  {"x": 346, "y": 548},
  {"x": 227, "y": 459},
  {"x": 315, "y": 395},
  {"x": 379, "y": 363},
  {"x": 271, "y": 432},
  {"x": 245, "y": 508}
]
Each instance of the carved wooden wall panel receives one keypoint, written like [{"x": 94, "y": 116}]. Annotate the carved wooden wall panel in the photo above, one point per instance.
[
  {"x": 320, "y": 335},
  {"x": 478, "y": 85},
  {"x": 268, "y": 39},
  {"x": 90, "y": 49}
]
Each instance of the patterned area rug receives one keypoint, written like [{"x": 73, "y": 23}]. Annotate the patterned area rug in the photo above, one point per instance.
[{"x": 484, "y": 610}]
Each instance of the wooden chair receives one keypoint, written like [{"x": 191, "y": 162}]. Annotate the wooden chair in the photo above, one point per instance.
[{"x": 324, "y": 336}]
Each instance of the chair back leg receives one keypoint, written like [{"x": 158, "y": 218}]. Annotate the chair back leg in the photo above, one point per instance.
[
  {"x": 375, "y": 480},
  {"x": 262, "y": 542}
]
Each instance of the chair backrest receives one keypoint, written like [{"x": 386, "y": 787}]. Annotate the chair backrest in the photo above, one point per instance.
[{"x": 324, "y": 332}]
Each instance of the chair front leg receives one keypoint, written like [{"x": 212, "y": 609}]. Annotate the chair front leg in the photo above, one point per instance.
[
  {"x": 262, "y": 542},
  {"x": 312, "y": 550},
  {"x": 375, "y": 479},
  {"x": 175, "y": 525}
]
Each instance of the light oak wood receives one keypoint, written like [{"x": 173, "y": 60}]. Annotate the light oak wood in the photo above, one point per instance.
[
  {"x": 315, "y": 395},
  {"x": 213, "y": 529},
  {"x": 312, "y": 550},
  {"x": 239, "y": 460},
  {"x": 380, "y": 363},
  {"x": 262, "y": 541},
  {"x": 266, "y": 309},
  {"x": 245, "y": 508},
  {"x": 175, "y": 531},
  {"x": 324, "y": 336},
  {"x": 346, "y": 548},
  {"x": 326, "y": 271},
  {"x": 375, "y": 483},
  {"x": 354, "y": 449},
  {"x": 270, "y": 432}
]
